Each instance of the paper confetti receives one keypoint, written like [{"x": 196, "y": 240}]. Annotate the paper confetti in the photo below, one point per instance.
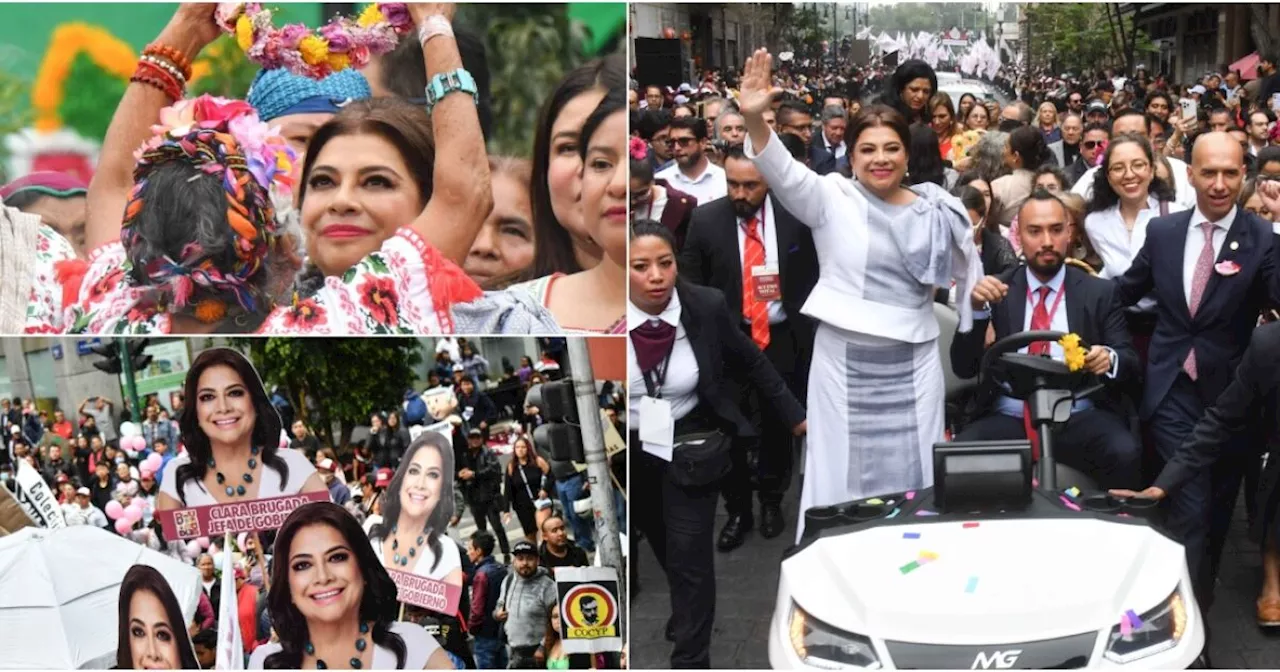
[
  {"x": 925, "y": 512},
  {"x": 927, "y": 556},
  {"x": 1074, "y": 491},
  {"x": 972, "y": 585},
  {"x": 968, "y": 526},
  {"x": 911, "y": 494},
  {"x": 1125, "y": 629},
  {"x": 1133, "y": 619},
  {"x": 875, "y": 501},
  {"x": 1069, "y": 504},
  {"x": 909, "y": 567},
  {"x": 894, "y": 513},
  {"x": 910, "y": 535}
]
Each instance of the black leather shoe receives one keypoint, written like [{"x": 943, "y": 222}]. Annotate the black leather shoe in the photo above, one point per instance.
[
  {"x": 734, "y": 533},
  {"x": 771, "y": 521}
]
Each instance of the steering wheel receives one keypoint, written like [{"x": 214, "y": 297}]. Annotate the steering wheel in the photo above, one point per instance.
[{"x": 1022, "y": 373}]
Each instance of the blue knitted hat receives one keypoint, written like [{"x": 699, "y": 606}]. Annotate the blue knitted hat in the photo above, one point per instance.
[{"x": 276, "y": 93}]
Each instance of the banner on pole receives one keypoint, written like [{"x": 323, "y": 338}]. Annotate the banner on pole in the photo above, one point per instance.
[{"x": 35, "y": 497}]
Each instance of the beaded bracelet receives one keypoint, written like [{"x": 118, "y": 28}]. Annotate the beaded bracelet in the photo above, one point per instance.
[
  {"x": 174, "y": 56},
  {"x": 158, "y": 84},
  {"x": 159, "y": 78},
  {"x": 165, "y": 65}
]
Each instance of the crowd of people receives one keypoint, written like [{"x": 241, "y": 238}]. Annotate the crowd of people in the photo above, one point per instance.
[
  {"x": 106, "y": 463},
  {"x": 295, "y": 237},
  {"x": 847, "y": 215}
]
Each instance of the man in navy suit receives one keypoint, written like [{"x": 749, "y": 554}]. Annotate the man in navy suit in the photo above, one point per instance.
[
  {"x": 1212, "y": 270},
  {"x": 828, "y": 152}
]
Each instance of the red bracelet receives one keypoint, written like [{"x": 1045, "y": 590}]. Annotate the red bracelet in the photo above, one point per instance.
[
  {"x": 173, "y": 86},
  {"x": 172, "y": 55}
]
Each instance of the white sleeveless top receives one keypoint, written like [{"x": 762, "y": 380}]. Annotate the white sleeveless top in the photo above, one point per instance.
[
  {"x": 417, "y": 643},
  {"x": 449, "y": 559},
  {"x": 195, "y": 494}
]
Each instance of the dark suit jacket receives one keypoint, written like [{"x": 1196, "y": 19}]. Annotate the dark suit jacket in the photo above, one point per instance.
[
  {"x": 1091, "y": 313},
  {"x": 1228, "y": 309},
  {"x": 821, "y": 160},
  {"x": 724, "y": 354},
  {"x": 676, "y": 215},
  {"x": 1252, "y": 392},
  {"x": 711, "y": 258}
]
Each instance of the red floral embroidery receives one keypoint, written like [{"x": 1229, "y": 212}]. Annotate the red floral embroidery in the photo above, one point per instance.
[
  {"x": 303, "y": 315},
  {"x": 379, "y": 297},
  {"x": 105, "y": 284}
]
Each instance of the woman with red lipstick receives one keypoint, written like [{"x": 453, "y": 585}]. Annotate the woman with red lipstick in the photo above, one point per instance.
[
  {"x": 1127, "y": 195},
  {"x": 333, "y": 605},
  {"x": 232, "y": 435},
  {"x": 594, "y": 300},
  {"x": 876, "y": 384},
  {"x": 153, "y": 631},
  {"x": 416, "y": 513}
]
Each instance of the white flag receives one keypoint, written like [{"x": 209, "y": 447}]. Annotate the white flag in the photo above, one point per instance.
[{"x": 230, "y": 646}]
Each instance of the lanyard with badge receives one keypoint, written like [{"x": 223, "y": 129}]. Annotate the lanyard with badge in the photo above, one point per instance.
[
  {"x": 657, "y": 424},
  {"x": 766, "y": 283}
]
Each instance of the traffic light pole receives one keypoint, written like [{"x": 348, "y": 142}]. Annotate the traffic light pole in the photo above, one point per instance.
[
  {"x": 130, "y": 386},
  {"x": 608, "y": 543}
]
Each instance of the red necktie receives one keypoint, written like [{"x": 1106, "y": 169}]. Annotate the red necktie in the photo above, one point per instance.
[
  {"x": 756, "y": 312},
  {"x": 1040, "y": 321}
]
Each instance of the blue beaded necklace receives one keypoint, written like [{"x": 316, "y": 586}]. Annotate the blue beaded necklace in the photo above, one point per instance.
[
  {"x": 403, "y": 560},
  {"x": 239, "y": 490},
  {"x": 355, "y": 663}
]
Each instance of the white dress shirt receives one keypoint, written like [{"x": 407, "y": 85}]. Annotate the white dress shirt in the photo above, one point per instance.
[
  {"x": 656, "y": 207},
  {"x": 707, "y": 187},
  {"x": 1195, "y": 243},
  {"x": 838, "y": 150},
  {"x": 681, "y": 384},
  {"x": 1117, "y": 245},
  {"x": 768, "y": 230}
]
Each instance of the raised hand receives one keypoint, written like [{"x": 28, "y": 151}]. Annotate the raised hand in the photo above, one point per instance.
[
  {"x": 1269, "y": 192},
  {"x": 757, "y": 92},
  {"x": 421, "y": 10}
]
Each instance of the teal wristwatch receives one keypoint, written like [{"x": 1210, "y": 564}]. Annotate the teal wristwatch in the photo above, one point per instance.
[{"x": 446, "y": 83}]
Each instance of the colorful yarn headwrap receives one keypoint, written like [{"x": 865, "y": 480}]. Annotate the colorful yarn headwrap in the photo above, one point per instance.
[
  {"x": 276, "y": 93},
  {"x": 224, "y": 138}
]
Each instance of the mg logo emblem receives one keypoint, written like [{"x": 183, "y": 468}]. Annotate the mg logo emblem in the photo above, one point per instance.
[{"x": 999, "y": 660}]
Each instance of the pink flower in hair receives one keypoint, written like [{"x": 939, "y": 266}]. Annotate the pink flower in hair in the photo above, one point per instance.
[{"x": 638, "y": 149}]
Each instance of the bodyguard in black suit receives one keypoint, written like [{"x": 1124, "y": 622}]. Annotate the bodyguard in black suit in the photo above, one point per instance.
[
  {"x": 1096, "y": 440},
  {"x": 678, "y": 519},
  {"x": 825, "y": 146},
  {"x": 1203, "y": 323},
  {"x": 713, "y": 256}
]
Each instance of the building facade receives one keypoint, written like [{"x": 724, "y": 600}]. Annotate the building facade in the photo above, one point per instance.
[{"x": 1195, "y": 38}]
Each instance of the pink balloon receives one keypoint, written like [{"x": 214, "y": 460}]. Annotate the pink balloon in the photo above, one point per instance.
[
  {"x": 193, "y": 548},
  {"x": 139, "y": 443},
  {"x": 132, "y": 514},
  {"x": 114, "y": 510},
  {"x": 204, "y": 542},
  {"x": 147, "y": 473},
  {"x": 153, "y": 462},
  {"x": 123, "y": 526}
]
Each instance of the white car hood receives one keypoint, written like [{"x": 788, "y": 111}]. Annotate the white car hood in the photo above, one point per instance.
[{"x": 1036, "y": 579}]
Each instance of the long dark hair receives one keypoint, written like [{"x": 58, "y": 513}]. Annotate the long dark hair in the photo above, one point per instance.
[
  {"x": 906, "y": 73},
  {"x": 438, "y": 521},
  {"x": 924, "y": 159},
  {"x": 554, "y": 247},
  {"x": 1103, "y": 196},
  {"x": 266, "y": 426},
  {"x": 1028, "y": 143},
  {"x": 143, "y": 577},
  {"x": 378, "y": 604}
]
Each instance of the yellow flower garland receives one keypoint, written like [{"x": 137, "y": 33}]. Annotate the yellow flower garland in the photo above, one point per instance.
[{"x": 69, "y": 40}]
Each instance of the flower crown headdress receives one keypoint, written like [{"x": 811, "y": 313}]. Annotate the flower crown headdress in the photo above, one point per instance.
[
  {"x": 338, "y": 45},
  {"x": 224, "y": 138}
]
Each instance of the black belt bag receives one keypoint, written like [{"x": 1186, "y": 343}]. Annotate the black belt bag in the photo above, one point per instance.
[{"x": 700, "y": 458}]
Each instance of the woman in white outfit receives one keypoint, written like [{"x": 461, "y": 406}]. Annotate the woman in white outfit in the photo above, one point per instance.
[
  {"x": 875, "y": 387},
  {"x": 232, "y": 436}
]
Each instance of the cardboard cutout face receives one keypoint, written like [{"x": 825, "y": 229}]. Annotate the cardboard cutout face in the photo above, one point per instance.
[{"x": 441, "y": 403}]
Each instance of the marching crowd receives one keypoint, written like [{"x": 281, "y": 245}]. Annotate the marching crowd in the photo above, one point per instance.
[
  {"x": 106, "y": 468},
  {"x": 293, "y": 237},
  {"x": 847, "y": 215}
]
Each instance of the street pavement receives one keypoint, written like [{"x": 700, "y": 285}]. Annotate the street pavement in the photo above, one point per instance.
[{"x": 747, "y": 583}]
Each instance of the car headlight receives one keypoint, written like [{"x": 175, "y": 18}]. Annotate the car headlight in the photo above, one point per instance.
[
  {"x": 1162, "y": 629},
  {"x": 820, "y": 645}
]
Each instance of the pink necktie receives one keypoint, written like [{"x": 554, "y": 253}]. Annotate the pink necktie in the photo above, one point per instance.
[{"x": 1204, "y": 267}]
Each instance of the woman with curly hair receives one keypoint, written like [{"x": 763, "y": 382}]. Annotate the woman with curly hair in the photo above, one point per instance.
[{"x": 332, "y": 604}]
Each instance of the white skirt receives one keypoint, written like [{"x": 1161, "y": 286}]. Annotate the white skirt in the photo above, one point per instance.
[{"x": 875, "y": 411}]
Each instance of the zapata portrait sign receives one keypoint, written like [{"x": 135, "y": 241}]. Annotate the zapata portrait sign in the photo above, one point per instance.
[{"x": 590, "y": 618}]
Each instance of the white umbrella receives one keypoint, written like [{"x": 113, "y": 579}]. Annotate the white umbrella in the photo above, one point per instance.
[{"x": 59, "y": 591}]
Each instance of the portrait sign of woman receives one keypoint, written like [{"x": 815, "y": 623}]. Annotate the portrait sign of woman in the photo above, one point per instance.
[
  {"x": 153, "y": 631},
  {"x": 412, "y": 535},
  {"x": 333, "y": 605},
  {"x": 232, "y": 435}
]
